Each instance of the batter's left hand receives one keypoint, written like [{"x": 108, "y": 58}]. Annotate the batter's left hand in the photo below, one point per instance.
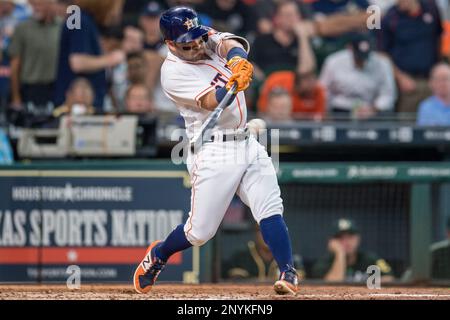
[
  {"x": 238, "y": 64},
  {"x": 242, "y": 82},
  {"x": 242, "y": 73}
]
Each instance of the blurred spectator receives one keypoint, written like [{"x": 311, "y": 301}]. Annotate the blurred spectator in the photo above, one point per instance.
[
  {"x": 137, "y": 68},
  {"x": 149, "y": 22},
  {"x": 334, "y": 21},
  {"x": 79, "y": 99},
  {"x": 288, "y": 47},
  {"x": 229, "y": 16},
  {"x": 131, "y": 10},
  {"x": 345, "y": 261},
  {"x": 359, "y": 82},
  {"x": 112, "y": 40},
  {"x": 308, "y": 96},
  {"x": 132, "y": 71},
  {"x": 155, "y": 53},
  {"x": 6, "y": 153},
  {"x": 133, "y": 40},
  {"x": 263, "y": 11},
  {"x": 138, "y": 99},
  {"x": 435, "y": 110},
  {"x": 440, "y": 257},
  {"x": 279, "y": 106},
  {"x": 410, "y": 35},
  {"x": 11, "y": 14},
  {"x": 256, "y": 262},
  {"x": 81, "y": 53},
  {"x": 34, "y": 51}
]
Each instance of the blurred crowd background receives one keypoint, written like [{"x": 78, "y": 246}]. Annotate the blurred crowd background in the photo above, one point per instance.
[{"x": 314, "y": 59}]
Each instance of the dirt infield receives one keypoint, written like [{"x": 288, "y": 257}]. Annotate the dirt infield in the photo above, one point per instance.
[{"x": 216, "y": 291}]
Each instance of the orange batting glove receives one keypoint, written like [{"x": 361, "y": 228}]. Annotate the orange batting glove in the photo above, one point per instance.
[
  {"x": 242, "y": 82},
  {"x": 242, "y": 73}
]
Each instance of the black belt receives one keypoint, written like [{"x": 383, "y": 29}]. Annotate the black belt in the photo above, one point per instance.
[{"x": 241, "y": 136}]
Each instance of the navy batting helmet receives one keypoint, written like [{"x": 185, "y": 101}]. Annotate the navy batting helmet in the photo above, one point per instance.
[{"x": 180, "y": 24}]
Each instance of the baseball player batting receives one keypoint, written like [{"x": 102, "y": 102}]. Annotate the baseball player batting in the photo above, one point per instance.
[{"x": 204, "y": 67}]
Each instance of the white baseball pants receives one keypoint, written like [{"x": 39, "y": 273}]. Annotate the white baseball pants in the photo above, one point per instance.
[{"x": 218, "y": 171}]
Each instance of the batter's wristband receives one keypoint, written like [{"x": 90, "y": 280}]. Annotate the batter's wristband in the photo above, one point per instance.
[
  {"x": 237, "y": 51},
  {"x": 221, "y": 93}
]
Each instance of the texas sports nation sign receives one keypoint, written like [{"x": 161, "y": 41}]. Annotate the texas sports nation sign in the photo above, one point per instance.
[{"x": 101, "y": 221}]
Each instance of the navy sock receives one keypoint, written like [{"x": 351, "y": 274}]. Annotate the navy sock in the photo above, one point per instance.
[
  {"x": 176, "y": 241},
  {"x": 275, "y": 234}
]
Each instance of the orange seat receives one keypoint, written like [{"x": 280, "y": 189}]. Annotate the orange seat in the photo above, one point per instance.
[{"x": 446, "y": 39}]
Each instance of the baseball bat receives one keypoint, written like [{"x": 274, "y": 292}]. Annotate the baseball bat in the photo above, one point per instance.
[{"x": 213, "y": 118}]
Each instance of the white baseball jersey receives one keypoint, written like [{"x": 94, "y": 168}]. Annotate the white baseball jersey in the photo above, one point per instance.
[
  {"x": 186, "y": 82},
  {"x": 219, "y": 170}
]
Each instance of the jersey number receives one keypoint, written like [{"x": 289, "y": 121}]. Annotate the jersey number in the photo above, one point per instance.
[{"x": 217, "y": 79}]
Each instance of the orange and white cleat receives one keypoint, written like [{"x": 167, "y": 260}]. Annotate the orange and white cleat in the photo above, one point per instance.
[
  {"x": 288, "y": 283},
  {"x": 148, "y": 270}
]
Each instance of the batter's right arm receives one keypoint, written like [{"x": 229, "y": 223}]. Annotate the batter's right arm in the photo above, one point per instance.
[
  {"x": 242, "y": 73},
  {"x": 212, "y": 99},
  {"x": 209, "y": 101}
]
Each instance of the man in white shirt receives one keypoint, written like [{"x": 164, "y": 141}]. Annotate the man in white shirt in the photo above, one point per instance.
[{"x": 359, "y": 82}]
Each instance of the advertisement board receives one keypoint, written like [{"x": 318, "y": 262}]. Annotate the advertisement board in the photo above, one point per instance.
[{"x": 100, "y": 220}]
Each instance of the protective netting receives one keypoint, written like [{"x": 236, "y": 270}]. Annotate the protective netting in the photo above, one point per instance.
[{"x": 379, "y": 210}]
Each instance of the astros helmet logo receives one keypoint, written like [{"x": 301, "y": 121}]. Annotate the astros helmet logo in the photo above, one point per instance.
[{"x": 191, "y": 23}]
